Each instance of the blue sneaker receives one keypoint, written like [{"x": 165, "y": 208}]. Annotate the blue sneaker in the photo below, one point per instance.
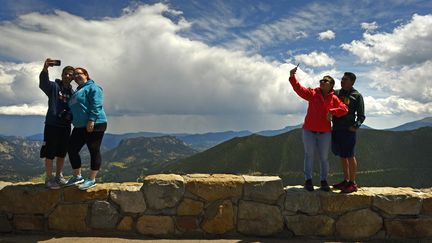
[
  {"x": 89, "y": 183},
  {"x": 74, "y": 180}
]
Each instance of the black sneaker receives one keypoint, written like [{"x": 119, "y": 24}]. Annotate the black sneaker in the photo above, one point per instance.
[
  {"x": 308, "y": 185},
  {"x": 324, "y": 186}
]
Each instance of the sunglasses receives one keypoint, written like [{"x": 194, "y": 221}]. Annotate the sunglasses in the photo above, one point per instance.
[{"x": 324, "y": 81}]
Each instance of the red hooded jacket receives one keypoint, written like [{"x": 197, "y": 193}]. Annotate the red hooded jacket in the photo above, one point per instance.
[{"x": 319, "y": 106}]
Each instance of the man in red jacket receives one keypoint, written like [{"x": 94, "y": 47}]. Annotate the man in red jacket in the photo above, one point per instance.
[{"x": 323, "y": 105}]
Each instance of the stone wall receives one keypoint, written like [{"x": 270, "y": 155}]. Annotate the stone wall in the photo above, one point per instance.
[{"x": 218, "y": 205}]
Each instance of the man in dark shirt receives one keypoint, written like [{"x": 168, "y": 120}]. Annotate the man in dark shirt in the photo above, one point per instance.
[
  {"x": 57, "y": 122},
  {"x": 344, "y": 132}
]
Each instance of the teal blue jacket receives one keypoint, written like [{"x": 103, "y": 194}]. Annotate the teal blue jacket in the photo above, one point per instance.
[{"x": 86, "y": 104}]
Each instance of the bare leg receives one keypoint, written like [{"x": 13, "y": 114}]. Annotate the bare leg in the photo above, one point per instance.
[
  {"x": 93, "y": 174},
  {"x": 48, "y": 167},
  {"x": 345, "y": 166},
  {"x": 352, "y": 168},
  {"x": 59, "y": 166},
  {"x": 77, "y": 172}
]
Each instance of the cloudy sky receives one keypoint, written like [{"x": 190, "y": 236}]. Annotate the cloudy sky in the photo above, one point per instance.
[{"x": 199, "y": 66}]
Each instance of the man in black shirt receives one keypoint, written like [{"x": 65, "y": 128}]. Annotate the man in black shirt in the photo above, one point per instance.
[{"x": 344, "y": 132}]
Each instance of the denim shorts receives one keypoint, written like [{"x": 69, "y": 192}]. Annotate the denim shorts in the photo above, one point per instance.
[{"x": 343, "y": 143}]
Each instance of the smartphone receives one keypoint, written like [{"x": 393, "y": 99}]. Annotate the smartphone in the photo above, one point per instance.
[{"x": 55, "y": 62}]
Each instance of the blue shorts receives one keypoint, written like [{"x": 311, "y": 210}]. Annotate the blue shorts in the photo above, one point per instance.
[{"x": 343, "y": 142}]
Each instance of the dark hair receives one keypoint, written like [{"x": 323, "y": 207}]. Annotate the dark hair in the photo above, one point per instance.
[
  {"x": 330, "y": 78},
  {"x": 351, "y": 76},
  {"x": 84, "y": 71},
  {"x": 67, "y": 68}
]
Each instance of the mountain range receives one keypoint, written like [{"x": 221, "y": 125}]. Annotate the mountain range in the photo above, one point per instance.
[
  {"x": 134, "y": 156},
  {"x": 19, "y": 157},
  {"x": 385, "y": 158},
  {"x": 203, "y": 141},
  {"x": 425, "y": 122},
  {"x": 239, "y": 152}
]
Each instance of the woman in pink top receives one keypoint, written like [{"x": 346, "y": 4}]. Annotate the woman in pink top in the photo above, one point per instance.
[{"x": 323, "y": 104}]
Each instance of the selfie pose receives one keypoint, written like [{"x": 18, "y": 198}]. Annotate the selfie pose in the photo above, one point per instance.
[
  {"x": 57, "y": 122},
  {"x": 90, "y": 123},
  {"x": 323, "y": 105}
]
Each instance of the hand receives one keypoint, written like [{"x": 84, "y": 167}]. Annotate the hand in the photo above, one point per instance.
[
  {"x": 329, "y": 116},
  {"x": 47, "y": 64},
  {"x": 293, "y": 72},
  {"x": 90, "y": 126},
  {"x": 352, "y": 129}
]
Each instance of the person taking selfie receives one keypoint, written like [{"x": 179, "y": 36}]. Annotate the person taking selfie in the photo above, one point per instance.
[{"x": 57, "y": 122}]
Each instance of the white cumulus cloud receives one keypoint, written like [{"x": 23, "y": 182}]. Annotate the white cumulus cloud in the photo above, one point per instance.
[
  {"x": 394, "y": 105},
  {"x": 23, "y": 109},
  {"x": 407, "y": 44},
  {"x": 147, "y": 69},
  {"x": 408, "y": 82},
  {"x": 369, "y": 26},
  {"x": 326, "y": 35},
  {"x": 315, "y": 59}
]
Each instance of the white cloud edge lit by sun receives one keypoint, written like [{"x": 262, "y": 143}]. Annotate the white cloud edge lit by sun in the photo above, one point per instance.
[
  {"x": 24, "y": 110},
  {"x": 369, "y": 27},
  {"x": 315, "y": 59},
  {"x": 326, "y": 35},
  {"x": 406, "y": 45}
]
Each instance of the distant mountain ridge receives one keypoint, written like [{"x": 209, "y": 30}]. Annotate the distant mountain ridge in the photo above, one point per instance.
[
  {"x": 18, "y": 157},
  {"x": 133, "y": 156},
  {"x": 425, "y": 122},
  {"x": 385, "y": 158},
  {"x": 203, "y": 141}
]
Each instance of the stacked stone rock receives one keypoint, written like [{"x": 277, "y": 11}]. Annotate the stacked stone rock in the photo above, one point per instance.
[{"x": 218, "y": 205}]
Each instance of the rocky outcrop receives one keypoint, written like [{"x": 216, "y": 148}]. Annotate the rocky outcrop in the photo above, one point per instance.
[{"x": 218, "y": 205}]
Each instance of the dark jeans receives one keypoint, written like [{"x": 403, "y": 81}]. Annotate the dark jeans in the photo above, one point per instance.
[{"x": 93, "y": 140}]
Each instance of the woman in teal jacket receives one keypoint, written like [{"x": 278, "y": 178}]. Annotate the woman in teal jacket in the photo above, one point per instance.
[{"x": 90, "y": 122}]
